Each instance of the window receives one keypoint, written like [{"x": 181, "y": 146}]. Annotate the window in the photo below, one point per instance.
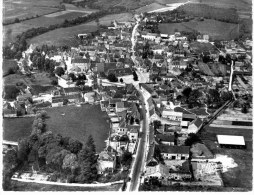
[
  {"x": 182, "y": 157},
  {"x": 173, "y": 157}
]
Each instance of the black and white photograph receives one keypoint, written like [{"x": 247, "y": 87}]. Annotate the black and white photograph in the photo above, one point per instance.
[{"x": 127, "y": 96}]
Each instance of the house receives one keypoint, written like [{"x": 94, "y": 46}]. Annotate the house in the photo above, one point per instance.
[
  {"x": 154, "y": 114},
  {"x": 195, "y": 126},
  {"x": 165, "y": 139},
  {"x": 174, "y": 152},
  {"x": 82, "y": 63},
  {"x": 172, "y": 115},
  {"x": 71, "y": 91},
  {"x": 182, "y": 173},
  {"x": 89, "y": 97},
  {"x": 151, "y": 158},
  {"x": 57, "y": 101},
  {"x": 159, "y": 171},
  {"x": 231, "y": 141},
  {"x": 133, "y": 132},
  {"x": 64, "y": 81},
  {"x": 106, "y": 161}
]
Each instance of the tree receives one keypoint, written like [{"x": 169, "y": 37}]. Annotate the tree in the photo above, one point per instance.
[
  {"x": 214, "y": 95},
  {"x": 70, "y": 161},
  {"x": 126, "y": 159},
  {"x": 192, "y": 139},
  {"x": 244, "y": 109},
  {"x": 59, "y": 71},
  {"x": 80, "y": 82},
  {"x": 72, "y": 76},
  {"x": 112, "y": 78},
  {"x": 186, "y": 92},
  {"x": 225, "y": 96},
  {"x": 194, "y": 98},
  {"x": 75, "y": 146},
  {"x": 135, "y": 76}
]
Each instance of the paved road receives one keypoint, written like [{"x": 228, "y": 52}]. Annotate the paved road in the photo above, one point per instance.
[{"x": 139, "y": 162}]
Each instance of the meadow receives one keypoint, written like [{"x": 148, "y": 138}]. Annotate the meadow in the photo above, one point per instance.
[
  {"x": 79, "y": 123},
  {"x": 22, "y": 9},
  {"x": 66, "y": 36},
  {"x": 215, "y": 29}
]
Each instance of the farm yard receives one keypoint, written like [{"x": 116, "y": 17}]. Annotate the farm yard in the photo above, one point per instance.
[
  {"x": 66, "y": 36},
  {"x": 22, "y": 9},
  {"x": 79, "y": 123},
  {"x": 215, "y": 29}
]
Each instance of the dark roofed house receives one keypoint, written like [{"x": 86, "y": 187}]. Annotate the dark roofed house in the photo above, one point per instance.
[{"x": 151, "y": 159}]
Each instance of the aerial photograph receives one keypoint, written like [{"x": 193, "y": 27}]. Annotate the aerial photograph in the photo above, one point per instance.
[{"x": 127, "y": 95}]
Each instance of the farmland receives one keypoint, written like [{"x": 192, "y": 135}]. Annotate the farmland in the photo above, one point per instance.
[
  {"x": 66, "y": 36},
  {"x": 71, "y": 12},
  {"x": 28, "y": 8},
  {"x": 215, "y": 29}
]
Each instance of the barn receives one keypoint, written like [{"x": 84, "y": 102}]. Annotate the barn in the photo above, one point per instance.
[{"x": 231, "y": 141}]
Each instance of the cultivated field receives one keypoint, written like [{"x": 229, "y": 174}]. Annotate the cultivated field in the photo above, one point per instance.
[
  {"x": 66, "y": 36},
  {"x": 79, "y": 123},
  {"x": 215, "y": 29},
  {"x": 204, "y": 68},
  {"x": 22, "y": 9},
  {"x": 12, "y": 30}
]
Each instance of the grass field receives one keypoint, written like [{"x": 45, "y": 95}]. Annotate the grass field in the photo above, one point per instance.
[
  {"x": 215, "y": 29},
  {"x": 42, "y": 79},
  {"x": 27, "y": 8},
  {"x": 65, "y": 36},
  {"x": 15, "y": 128},
  {"x": 8, "y": 64},
  {"x": 22, "y": 186},
  {"x": 79, "y": 123}
]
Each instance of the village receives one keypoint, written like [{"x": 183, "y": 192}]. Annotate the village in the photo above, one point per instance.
[{"x": 175, "y": 83}]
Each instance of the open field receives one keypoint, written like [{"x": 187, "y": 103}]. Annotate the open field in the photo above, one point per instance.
[
  {"x": 239, "y": 4},
  {"x": 42, "y": 79},
  {"x": 204, "y": 68},
  {"x": 22, "y": 9},
  {"x": 12, "y": 30},
  {"x": 22, "y": 186},
  {"x": 149, "y": 8},
  {"x": 65, "y": 36},
  {"x": 8, "y": 64},
  {"x": 15, "y": 128},
  {"x": 79, "y": 123},
  {"x": 215, "y": 29}
]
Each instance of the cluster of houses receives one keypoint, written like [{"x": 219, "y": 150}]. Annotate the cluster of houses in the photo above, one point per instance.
[{"x": 122, "y": 105}]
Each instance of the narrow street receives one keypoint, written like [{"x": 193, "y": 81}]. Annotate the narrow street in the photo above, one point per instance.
[{"x": 141, "y": 154}]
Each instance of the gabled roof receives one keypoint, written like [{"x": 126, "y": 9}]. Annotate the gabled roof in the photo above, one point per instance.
[
  {"x": 146, "y": 87},
  {"x": 180, "y": 109},
  {"x": 71, "y": 89},
  {"x": 174, "y": 149},
  {"x": 198, "y": 122}
]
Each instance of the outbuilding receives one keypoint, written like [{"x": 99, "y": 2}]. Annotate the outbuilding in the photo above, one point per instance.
[{"x": 231, "y": 141}]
